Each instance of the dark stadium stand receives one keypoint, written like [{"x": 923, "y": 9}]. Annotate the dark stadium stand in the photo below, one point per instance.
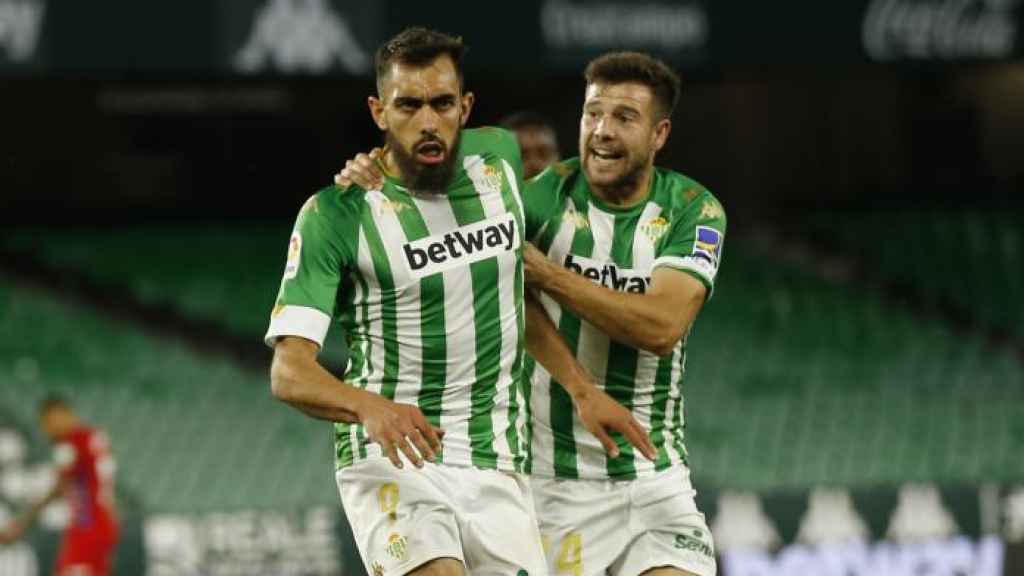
[
  {"x": 792, "y": 381},
  {"x": 972, "y": 261},
  {"x": 190, "y": 433}
]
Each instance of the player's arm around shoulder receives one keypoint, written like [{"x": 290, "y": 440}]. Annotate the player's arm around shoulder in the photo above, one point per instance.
[{"x": 682, "y": 277}]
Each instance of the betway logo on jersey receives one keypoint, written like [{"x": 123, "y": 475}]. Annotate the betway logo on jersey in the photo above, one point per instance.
[
  {"x": 609, "y": 275},
  {"x": 462, "y": 246}
]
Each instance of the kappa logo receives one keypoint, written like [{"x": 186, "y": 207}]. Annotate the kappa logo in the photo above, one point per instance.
[
  {"x": 393, "y": 206},
  {"x": 301, "y": 36},
  {"x": 609, "y": 275},
  {"x": 711, "y": 210},
  {"x": 462, "y": 246}
]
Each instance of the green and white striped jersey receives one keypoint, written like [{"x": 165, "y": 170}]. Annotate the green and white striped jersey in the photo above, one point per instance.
[
  {"x": 680, "y": 226},
  {"x": 429, "y": 290}
]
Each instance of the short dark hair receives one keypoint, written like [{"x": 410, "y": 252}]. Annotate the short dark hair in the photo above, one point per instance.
[
  {"x": 526, "y": 119},
  {"x": 418, "y": 46},
  {"x": 52, "y": 402},
  {"x": 619, "y": 67}
]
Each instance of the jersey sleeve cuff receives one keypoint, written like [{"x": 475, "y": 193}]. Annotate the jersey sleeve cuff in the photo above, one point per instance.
[
  {"x": 695, "y": 266},
  {"x": 309, "y": 323}
]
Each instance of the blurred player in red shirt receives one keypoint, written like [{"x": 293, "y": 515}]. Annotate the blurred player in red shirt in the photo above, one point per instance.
[{"x": 86, "y": 479}]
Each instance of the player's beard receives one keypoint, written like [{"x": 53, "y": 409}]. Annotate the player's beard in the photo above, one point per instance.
[
  {"x": 424, "y": 178},
  {"x": 632, "y": 175}
]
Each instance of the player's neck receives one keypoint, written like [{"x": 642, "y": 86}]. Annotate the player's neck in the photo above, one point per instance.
[{"x": 626, "y": 195}]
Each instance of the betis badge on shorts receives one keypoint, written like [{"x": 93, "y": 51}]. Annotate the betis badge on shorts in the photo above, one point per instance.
[{"x": 397, "y": 546}]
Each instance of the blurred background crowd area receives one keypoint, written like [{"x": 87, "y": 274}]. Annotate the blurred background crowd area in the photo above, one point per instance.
[{"x": 854, "y": 390}]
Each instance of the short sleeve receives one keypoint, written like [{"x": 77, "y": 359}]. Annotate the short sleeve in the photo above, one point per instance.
[
  {"x": 694, "y": 241},
  {"x": 312, "y": 274},
  {"x": 541, "y": 200}
]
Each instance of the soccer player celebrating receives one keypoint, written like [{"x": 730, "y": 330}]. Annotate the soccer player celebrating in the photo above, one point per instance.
[
  {"x": 425, "y": 273},
  {"x": 628, "y": 254},
  {"x": 86, "y": 479}
]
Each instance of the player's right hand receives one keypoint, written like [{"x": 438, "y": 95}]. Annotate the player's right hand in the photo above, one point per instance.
[
  {"x": 361, "y": 170},
  {"x": 399, "y": 427}
]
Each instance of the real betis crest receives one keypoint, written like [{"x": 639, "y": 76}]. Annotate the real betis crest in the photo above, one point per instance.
[
  {"x": 654, "y": 229},
  {"x": 486, "y": 178},
  {"x": 397, "y": 546}
]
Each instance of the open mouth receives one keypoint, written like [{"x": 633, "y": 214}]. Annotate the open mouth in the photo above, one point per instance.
[
  {"x": 605, "y": 155},
  {"x": 430, "y": 153}
]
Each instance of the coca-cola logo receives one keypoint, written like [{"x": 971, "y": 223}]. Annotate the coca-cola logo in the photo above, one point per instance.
[{"x": 940, "y": 29}]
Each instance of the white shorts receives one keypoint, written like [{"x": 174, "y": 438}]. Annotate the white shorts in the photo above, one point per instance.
[
  {"x": 403, "y": 518},
  {"x": 623, "y": 527}
]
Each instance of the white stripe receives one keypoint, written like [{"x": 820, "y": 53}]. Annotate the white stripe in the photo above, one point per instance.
[
  {"x": 460, "y": 340},
  {"x": 373, "y": 371},
  {"x": 647, "y": 363},
  {"x": 543, "y": 446},
  {"x": 643, "y": 246},
  {"x": 592, "y": 351},
  {"x": 494, "y": 205},
  {"x": 676, "y": 397},
  {"x": 407, "y": 302},
  {"x": 309, "y": 323}
]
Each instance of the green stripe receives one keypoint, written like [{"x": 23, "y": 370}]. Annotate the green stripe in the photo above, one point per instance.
[
  {"x": 562, "y": 409},
  {"x": 469, "y": 209},
  {"x": 620, "y": 374},
  {"x": 389, "y": 322},
  {"x": 359, "y": 356},
  {"x": 519, "y": 384},
  {"x": 434, "y": 362},
  {"x": 662, "y": 385}
]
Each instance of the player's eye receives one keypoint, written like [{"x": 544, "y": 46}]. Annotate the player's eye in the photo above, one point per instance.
[
  {"x": 408, "y": 105},
  {"x": 443, "y": 104}
]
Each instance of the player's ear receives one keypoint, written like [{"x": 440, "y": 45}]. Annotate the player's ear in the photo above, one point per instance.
[
  {"x": 661, "y": 132},
  {"x": 467, "y": 107},
  {"x": 377, "y": 111}
]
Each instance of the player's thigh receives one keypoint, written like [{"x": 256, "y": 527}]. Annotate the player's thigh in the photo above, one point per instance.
[
  {"x": 584, "y": 524},
  {"x": 673, "y": 533},
  {"x": 499, "y": 524},
  {"x": 401, "y": 519},
  {"x": 440, "y": 567}
]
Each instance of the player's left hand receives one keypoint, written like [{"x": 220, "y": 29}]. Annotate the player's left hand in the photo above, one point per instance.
[
  {"x": 362, "y": 171},
  {"x": 600, "y": 413}
]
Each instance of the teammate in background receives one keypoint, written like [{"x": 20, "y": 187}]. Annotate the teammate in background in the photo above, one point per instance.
[
  {"x": 86, "y": 479},
  {"x": 628, "y": 254},
  {"x": 538, "y": 143},
  {"x": 425, "y": 274}
]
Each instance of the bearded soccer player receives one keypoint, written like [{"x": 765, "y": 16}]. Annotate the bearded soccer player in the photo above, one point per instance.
[
  {"x": 425, "y": 274},
  {"x": 86, "y": 479},
  {"x": 628, "y": 254}
]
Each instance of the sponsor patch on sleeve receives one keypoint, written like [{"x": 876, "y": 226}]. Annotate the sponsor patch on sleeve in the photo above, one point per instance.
[
  {"x": 291, "y": 267},
  {"x": 708, "y": 244}
]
